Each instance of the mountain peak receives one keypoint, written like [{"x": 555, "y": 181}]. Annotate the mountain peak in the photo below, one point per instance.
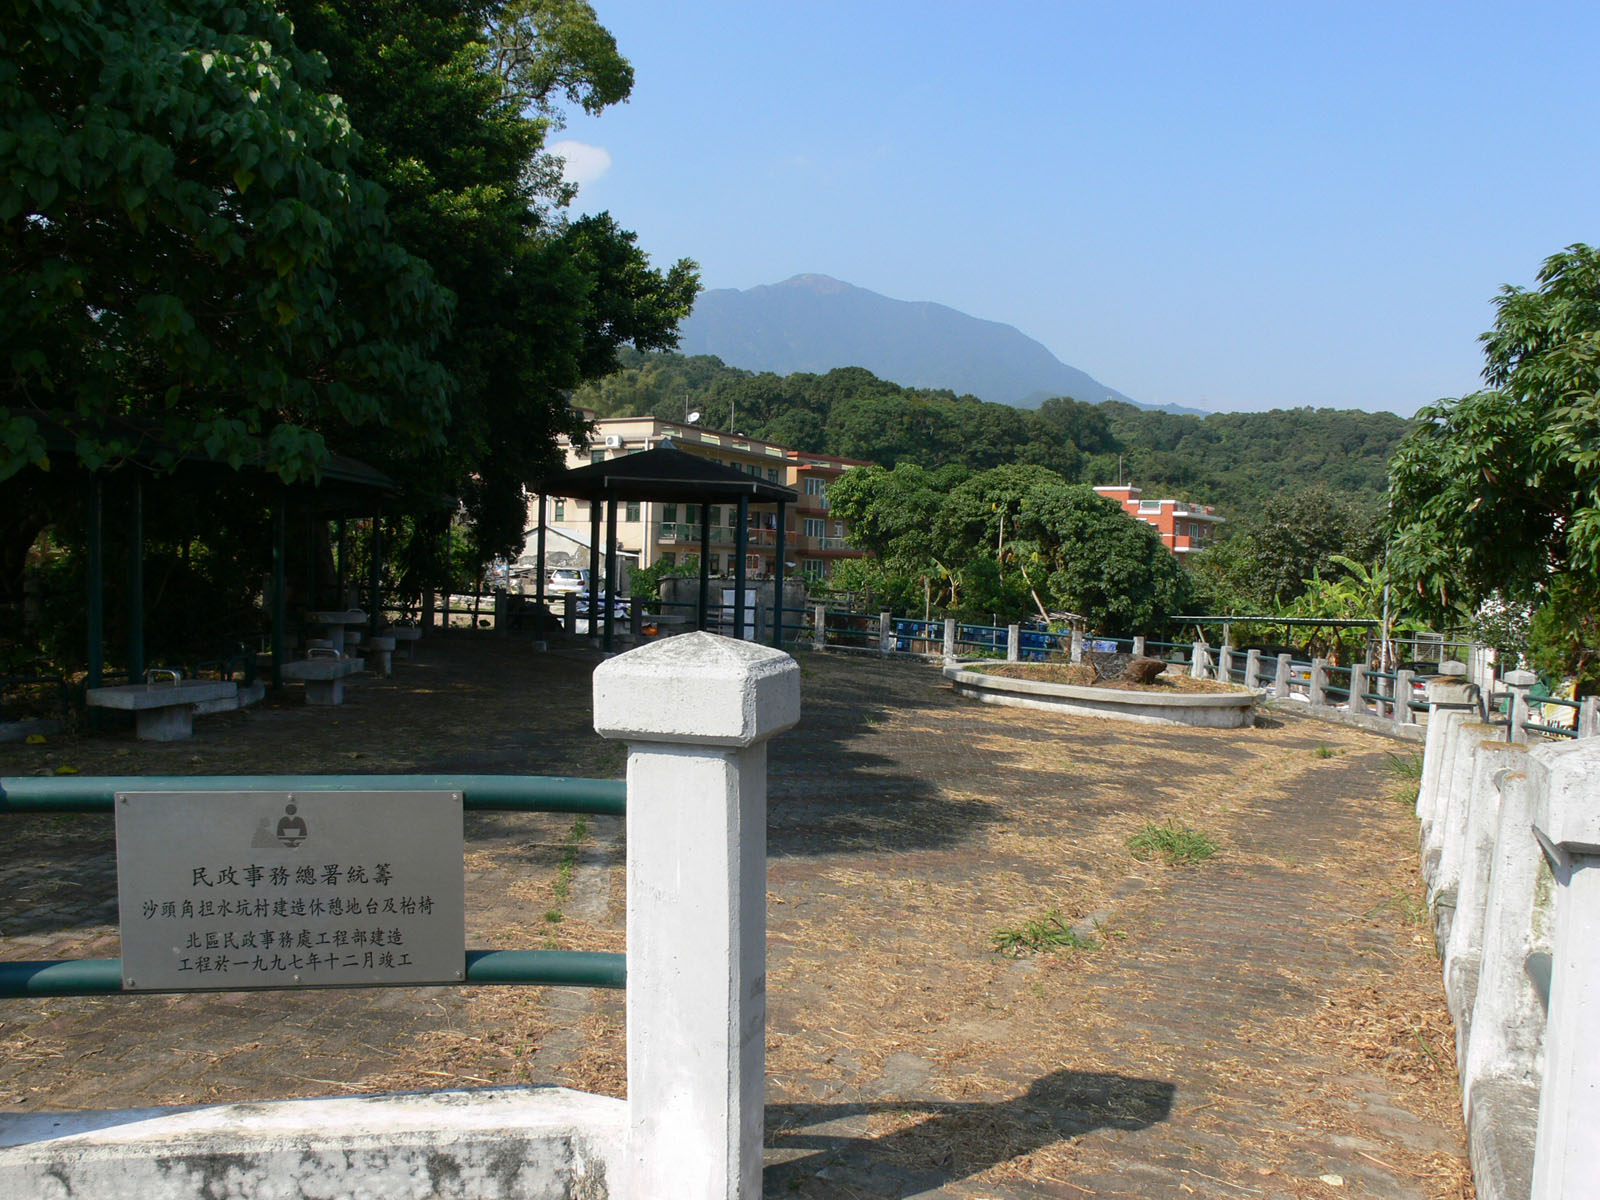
[{"x": 814, "y": 323}]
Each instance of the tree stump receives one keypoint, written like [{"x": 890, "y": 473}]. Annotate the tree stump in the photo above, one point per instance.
[{"x": 1143, "y": 670}]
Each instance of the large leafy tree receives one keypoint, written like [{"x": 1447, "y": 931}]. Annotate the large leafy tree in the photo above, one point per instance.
[
  {"x": 1500, "y": 490},
  {"x": 455, "y": 100},
  {"x": 186, "y": 241}
]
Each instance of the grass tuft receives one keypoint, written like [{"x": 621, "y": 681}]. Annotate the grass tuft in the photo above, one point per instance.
[
  {"x": 1043, "y": 935},
  {"x": 1172, "y": 843}
]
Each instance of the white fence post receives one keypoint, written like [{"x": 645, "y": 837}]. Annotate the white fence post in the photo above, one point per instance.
[
  {"x": 1566, "y": 820},
  {"x": 1013, "y": 643},
  {"x": 1358, "y": 688},
  {"x": 1138, "y": 646},
  {"x": 1077, "y": 645},
  {"x": 1199, "y": 660},
  {"x": 1589, "y": 717},
  {"x": 569, "y": 614},
  {"x": 819, "y": 627},
  {"x": 1316, "y": 688},
  {"x": 1283, "y": 686},
  {"x": 950, "y": 639},
  {"x": 1518, "y": 682},
  {"x": 1252, "y": 669},
  {"x": 696, "y": 712},
  {"x": 1225, "y": 663},
  {"x": 1400, "y": 711}
]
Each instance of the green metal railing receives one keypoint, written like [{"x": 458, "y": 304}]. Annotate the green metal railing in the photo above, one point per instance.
[{"x": 479, "y": 793}]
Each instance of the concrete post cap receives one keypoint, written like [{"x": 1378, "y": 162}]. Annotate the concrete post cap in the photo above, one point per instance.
[
  {"x": 1521, "y": 679},
  {"x": 697, "y": 689},
  {"x": 1565, "y": 809},
  {"x": 1452, "y": 668}
]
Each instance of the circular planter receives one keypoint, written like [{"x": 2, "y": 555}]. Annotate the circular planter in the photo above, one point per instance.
[{"x": 1210, "y": 710}]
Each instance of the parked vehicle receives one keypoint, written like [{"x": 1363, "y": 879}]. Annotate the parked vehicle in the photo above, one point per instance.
[{"x": 564, "y": 580}]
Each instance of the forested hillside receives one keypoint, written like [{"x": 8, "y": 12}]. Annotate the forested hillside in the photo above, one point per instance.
[{"x": 1236, "y": 461}]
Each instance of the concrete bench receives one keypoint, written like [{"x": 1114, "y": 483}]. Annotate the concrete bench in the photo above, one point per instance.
[
  {"x": 164, "y": 712},
  {"x": 381, "y": 650},
  {"x": 324, "y": 677},
  {"x": 407, "y": 636}
]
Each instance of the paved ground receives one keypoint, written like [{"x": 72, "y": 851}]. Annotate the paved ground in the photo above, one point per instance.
[{"x": 1266, "y": 1023}]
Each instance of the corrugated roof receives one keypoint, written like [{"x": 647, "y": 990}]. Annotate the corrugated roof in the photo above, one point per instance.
[{"x": 664, "y": 473}]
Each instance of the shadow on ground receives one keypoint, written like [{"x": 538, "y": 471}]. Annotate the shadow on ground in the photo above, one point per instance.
[{"x": 955, "y": 1140}]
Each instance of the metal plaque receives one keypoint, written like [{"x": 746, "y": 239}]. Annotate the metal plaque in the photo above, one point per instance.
[{"x": 223, "y": 891}]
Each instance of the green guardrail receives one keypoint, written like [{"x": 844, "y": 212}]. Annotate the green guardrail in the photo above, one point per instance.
[{"x": 480, "y": 793}]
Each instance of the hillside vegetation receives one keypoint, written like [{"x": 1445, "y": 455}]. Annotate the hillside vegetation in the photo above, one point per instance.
[{"x": 1237, "y": 461}]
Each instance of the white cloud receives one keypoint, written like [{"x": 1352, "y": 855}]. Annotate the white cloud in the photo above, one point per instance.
[{"x": 582, "y": 164}]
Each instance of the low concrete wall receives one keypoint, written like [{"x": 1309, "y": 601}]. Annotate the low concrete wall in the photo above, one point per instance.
[
  {"x": 1510, "y": 851},
  {"x": 1211, "y": 710},
  {"x": 522, "y": 1143}
]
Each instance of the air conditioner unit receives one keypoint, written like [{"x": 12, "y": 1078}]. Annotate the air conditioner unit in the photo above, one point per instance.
[{"x": 613, "y": 440}]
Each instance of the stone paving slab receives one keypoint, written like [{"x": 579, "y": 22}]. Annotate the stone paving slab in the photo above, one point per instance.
[{"x": 1246, "y": 1027}]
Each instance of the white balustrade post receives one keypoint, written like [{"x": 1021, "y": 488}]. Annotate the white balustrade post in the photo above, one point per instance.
[
  {"x": 1503, "y": 1062},
  {"x": 1138, "y": 647},
  {"x": 819, "y": 627},
  {"x": 696, "y": 712},
  {"x": 1566, "y": 819},
  {"x": 1449, "y": 688},
  {"x": 1013, "y": 643},
  {"x": 950, "y": 639},
  {"x": 1518, "y": 682},
  {"x": 1463, "y": 952},
  {"x": 1316, "y": 688},
  {"x": 1589, "y": 717},
  {"x": 1225, "y": 663},
  {"x": 885, "y": 633},
  {"x": 1077, "y": 645},
  {"x": 1358, "y": 687},
  {"x": 1252, "y": 669},
  {"x": 1283, "y": 686},
  {"x": 1199, "y": 660},
  {"x": 1401, "y": 710},
  {"x": 1442, "y": 851}
]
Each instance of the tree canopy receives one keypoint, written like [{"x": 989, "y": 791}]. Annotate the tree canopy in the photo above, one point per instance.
[
  {"x": 188, "y": 242},
  {"x": 1500, "y": 490}
]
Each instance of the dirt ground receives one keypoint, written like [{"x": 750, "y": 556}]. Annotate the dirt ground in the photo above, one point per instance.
[{"x": 1267, "y": 1022}]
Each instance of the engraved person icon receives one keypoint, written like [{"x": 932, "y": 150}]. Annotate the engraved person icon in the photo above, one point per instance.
[
  {"x": 262, "y": 836},
  {"x": 291, "y": 829}
]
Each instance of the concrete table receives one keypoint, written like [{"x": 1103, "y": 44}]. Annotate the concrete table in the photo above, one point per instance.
[
  {"x": 333, "y": 623},
  {"x": 323, "y": 677},
  {"x": 382, "y": 650},
  {"x": 162, "y": 712},
  {"x": 410, "y": 635}
]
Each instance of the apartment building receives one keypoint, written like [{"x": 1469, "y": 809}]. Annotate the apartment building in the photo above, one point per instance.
[
  {"x": 651, "y": 532},
  {"x": 1184, "y": 527}
]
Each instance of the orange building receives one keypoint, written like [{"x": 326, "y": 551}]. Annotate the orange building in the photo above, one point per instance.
[{"x": 1184, "y": 527}]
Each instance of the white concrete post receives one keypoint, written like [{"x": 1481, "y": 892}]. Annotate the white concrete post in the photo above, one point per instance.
[
  {"x": 1442, "y": 851},
  {"x": 1507, "y": 1029},
  {"x": 950, "y": 639},
  {"x": 1519, "y": 682},
  {"x": 569, "y": 613},
  {"x": 1316, "y": 689},
  {"x": 885, "y": 633},
  {"x": 696, "y": 712},
  {"x": 1077, "y": 645},
  {"x": 819, "y": 627},
  {"x": 1566, "y": 819},
  {"x": 1448, "y": 688},
  {"x": 1282, "y": 686},
  {"x": 1589, "y": 717},
  {"x": 1252, "y": 669},
  {"x": 1199, "y": 660},
  {"x": 1400, "y": 711},
  {"x": 1358, "y": 687},
  {"x": 1013, "y": 643},
  {"x": 1463, "y": 953},
  {"x": 1225, "y": 663},
  {"x": 1138, "y": 647}
]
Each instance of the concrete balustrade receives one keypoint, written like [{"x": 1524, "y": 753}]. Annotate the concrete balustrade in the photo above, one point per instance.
[
  {"x": 1510, "y": 849},
  {"x": 695, "y": 713}
]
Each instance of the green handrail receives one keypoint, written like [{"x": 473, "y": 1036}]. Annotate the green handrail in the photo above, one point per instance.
[
  {"x": 481, "y": 793},
  {"x": 549, "y": 968}
]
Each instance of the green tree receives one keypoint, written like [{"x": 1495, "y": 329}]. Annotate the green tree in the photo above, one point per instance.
[
  {"x": 188, "y": 241},
  {"x": 1500, "y": 490}
]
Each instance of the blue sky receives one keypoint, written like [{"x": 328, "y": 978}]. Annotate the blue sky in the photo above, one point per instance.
[{"x": 1229, "y": 206}]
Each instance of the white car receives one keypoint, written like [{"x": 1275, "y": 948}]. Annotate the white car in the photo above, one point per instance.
[{"x": 565, "y": 580}]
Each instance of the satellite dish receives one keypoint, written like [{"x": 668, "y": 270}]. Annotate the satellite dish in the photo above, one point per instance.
[{"x": 692, "y": 418}]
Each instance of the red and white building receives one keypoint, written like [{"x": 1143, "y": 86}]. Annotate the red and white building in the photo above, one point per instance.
[{"x": 1184, "y": 527}]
